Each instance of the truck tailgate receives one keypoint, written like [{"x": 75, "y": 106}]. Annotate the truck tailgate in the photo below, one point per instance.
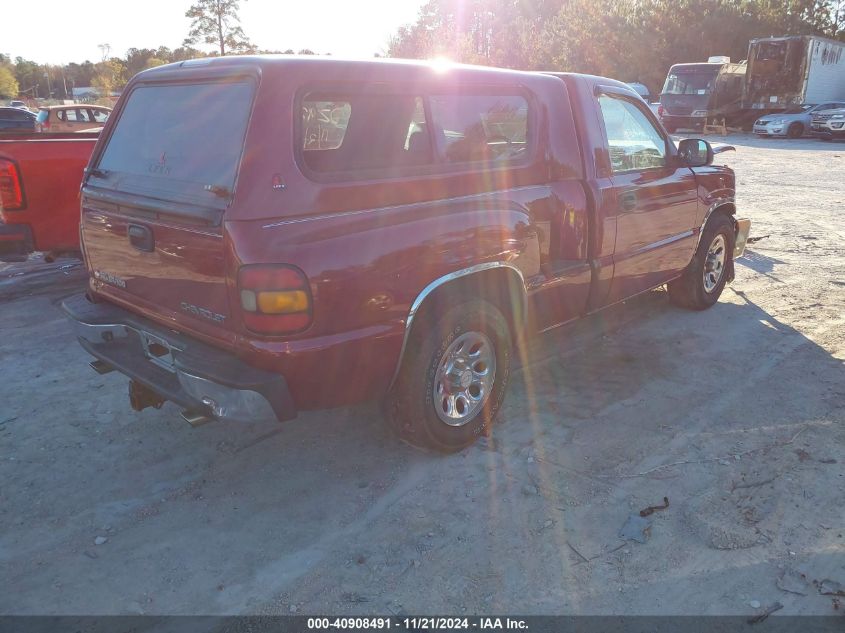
[
  {"x": 154, "y": 200},
  {"x": 173, "y": 273}
]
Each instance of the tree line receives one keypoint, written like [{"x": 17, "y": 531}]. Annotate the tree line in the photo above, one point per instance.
[
  {"x": 213, "y": 22},
  {"x": 29, "y": 79},
  {"x": 632, "y": 40},
  {"x": 34, "y": 80}
]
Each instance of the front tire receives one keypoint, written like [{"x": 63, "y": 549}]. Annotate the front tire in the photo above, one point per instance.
[
  {"x": 796, "y": 130},
  {"x": 453, "y": 379},
  {"x": 706, "y": 275}
]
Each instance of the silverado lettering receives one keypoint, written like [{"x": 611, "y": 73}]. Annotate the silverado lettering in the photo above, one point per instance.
[{"x": 203, "y": 312}]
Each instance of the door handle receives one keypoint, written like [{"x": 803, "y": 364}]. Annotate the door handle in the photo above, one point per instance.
[
  {"x": 141, "y": 237},
  {"x": 628, "y": 201}
]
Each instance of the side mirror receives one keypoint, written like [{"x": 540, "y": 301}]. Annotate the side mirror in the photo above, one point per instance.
[{"x": 695, "y": 152}]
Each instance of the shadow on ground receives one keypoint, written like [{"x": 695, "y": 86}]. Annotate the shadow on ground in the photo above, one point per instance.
[{"x": 329, "y": 513}]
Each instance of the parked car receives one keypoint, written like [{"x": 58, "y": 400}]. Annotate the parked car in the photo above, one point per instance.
[
  {"x": 794, "y": 122},
  {"x": 640, "y": 89},
  {"x": 829, "y": 124},
  {"x": 645, "y": 93},
  {"x": 16, "y": 121},
  {"x": 39, "y": 193},
  {"x": 71, "y": 118},
  {"x": 14, "y": 103},
  {"x": 323, "y": 232}
]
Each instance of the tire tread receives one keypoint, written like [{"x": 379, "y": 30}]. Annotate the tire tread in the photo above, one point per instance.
[
  {"x": 405, "y": 408},
  {"x": 688, "y": 290}
]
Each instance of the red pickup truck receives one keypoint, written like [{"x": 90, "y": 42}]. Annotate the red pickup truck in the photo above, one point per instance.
[
  {"x": 40, "y": 176},
  {"x": 270, "y": 234}
]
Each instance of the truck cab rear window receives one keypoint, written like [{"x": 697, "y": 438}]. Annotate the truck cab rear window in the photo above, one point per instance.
[
  {"x": 375, "y": 131},
  {"x": 190, "y": 133},
  {"x": 480, "y": 127}
]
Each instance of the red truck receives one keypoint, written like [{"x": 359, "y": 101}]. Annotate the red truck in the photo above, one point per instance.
[
  {"x": 269, "y": 234},
  {"x": 40, "y": 176}
]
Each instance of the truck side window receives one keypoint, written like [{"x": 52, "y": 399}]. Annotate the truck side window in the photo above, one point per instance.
[{"x": 634, "y": 143}]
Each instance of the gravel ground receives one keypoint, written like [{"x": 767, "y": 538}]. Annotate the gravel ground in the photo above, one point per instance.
[{"x": 735, "y": 414}]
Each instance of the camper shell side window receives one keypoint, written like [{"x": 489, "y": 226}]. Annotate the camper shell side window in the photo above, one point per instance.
[{"x": 376, "y": 132}]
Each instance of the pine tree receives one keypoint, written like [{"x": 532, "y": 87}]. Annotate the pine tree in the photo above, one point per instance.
[{"x": 216, "y": 22}]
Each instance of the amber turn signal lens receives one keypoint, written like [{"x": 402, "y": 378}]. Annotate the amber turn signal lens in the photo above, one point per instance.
[
  {"x": 282, "y": 301},
  {"x": 275, "y": 298}
]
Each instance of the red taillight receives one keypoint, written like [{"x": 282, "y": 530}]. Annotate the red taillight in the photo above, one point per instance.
[
  {"x": 11, "y": 192},
  {"x": 660, "y": 110},
  {"x": 275, "y": 298}
]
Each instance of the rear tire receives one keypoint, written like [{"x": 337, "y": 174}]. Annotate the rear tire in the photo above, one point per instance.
[
  {"x": 453, "y": 379},
  {"x": 706, "y": 275},
  {"x": 796, "y": 130}
]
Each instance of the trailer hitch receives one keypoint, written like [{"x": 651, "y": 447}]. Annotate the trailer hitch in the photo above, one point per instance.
[{"x": 141, "y": 396}]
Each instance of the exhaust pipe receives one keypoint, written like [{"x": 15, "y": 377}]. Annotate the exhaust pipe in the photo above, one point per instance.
[
  {"x": 101, "y": 367},
  {"x": 195, "y": 417},
  {"x": 141, "y": 397}
]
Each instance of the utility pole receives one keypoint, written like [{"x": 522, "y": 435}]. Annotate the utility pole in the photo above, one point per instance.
[{"x": 49, "y": 87}]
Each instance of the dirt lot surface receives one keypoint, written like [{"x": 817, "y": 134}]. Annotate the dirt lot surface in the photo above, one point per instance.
[{"x": 735, "y": 414}]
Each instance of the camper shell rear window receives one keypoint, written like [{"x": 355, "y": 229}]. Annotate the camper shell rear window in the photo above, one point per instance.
[{"x": 179, "y": 142}]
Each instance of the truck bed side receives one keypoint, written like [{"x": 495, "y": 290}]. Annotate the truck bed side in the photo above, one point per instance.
[{"x": 50, "y": 171}]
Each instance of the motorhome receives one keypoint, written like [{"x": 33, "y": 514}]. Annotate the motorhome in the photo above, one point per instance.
[{"x": 697, "y": 92}]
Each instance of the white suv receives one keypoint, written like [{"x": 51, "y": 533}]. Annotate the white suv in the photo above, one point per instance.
[{"x": 829, "y": 124}]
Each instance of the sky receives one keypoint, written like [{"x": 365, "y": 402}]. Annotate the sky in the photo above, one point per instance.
[{"x": 54, "y": 33}]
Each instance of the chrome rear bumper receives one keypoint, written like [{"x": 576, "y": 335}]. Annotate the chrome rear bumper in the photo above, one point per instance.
[{"x": 177, "y": 367}]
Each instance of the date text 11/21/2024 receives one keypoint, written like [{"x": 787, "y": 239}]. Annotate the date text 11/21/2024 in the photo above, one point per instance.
[{"x": 417, "y": 623}]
